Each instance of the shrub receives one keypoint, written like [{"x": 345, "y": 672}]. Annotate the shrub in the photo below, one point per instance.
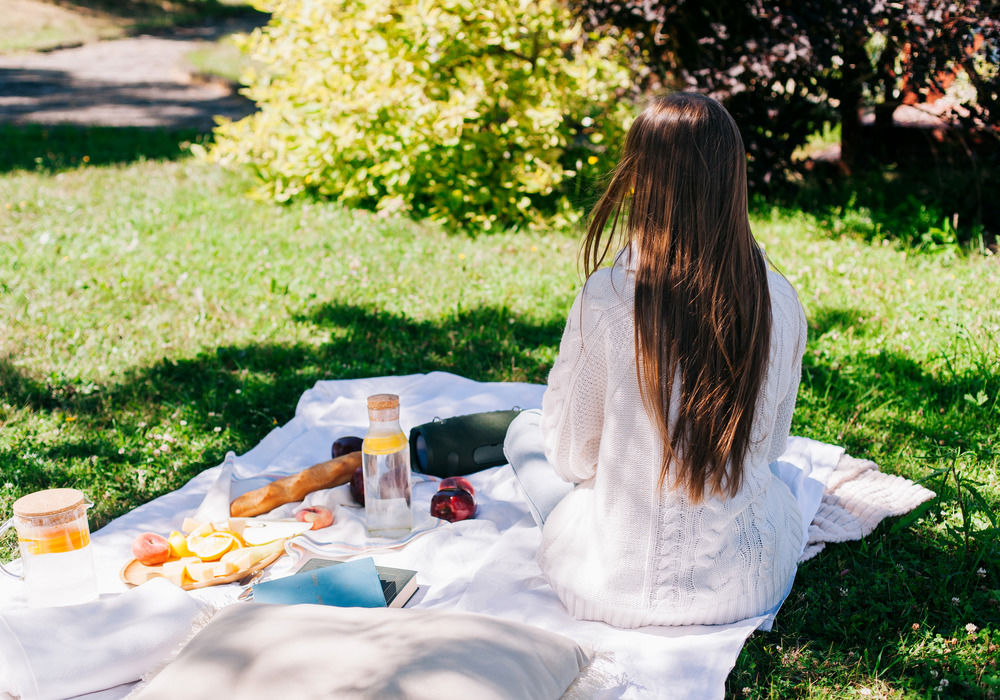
[
  {"x": 472, "y": 113},
  {"x": 782, "y": 68}
]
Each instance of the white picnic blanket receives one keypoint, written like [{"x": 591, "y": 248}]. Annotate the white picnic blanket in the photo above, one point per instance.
[{"x": 486, "y": 564}]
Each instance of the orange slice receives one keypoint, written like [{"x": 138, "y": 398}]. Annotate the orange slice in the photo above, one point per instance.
[{"x": 212, "y": 546}]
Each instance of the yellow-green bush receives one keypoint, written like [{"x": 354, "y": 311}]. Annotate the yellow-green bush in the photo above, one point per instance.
[{"x": 479, "y": 113}]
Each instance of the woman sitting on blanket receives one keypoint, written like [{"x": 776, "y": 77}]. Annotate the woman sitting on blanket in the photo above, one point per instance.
[{"x": 672, "y": 392}]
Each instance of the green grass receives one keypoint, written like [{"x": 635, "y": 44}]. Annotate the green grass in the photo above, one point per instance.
[
  {"x": 155, "y": 318},
  {"x": 222, "y": 60}
]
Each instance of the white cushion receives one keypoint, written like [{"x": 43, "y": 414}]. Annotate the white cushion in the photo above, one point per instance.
[{"x": 252, "y": 650}]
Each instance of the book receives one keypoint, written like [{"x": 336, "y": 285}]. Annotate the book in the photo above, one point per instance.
[
  {"x": 398, "y": 585},
  {"x": 353, "y": 584}
]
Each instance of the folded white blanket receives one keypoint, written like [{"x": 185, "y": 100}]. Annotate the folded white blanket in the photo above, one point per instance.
[
  {"x": 51, "y": 653},
  {"x": 482, "y": 565}
]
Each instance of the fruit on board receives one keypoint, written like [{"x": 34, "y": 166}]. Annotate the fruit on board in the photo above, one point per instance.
[
  {"x": 457, "y": 482},
  {"x": 178, "y": 545},
  {"x": 318, "y": 516},
  {"x": 345, "y": 445},
  {"x": 200, "y": 571},
  {"x": 176, "y": 570},
  {"x": 151, "y": 549},
  {"x": 190, "y": 525},
  {"x": 358, "y": 486},
  {"x": 211, "y": 546},
  {"x": 453, "y": 505},
  {"x": 245, "y": 557},
  {"x": 264, "y": 531},
  {"x": 212, "y": 551}
]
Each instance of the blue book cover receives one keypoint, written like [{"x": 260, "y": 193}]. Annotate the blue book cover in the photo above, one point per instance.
[{"x": 352, "y": 584}]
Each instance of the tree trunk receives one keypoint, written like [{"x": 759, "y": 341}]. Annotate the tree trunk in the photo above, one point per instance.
[
  {"x": 884, "y": 136},
  {"x": 850, "y": 127},
  {"x": 855, "y": 67}
]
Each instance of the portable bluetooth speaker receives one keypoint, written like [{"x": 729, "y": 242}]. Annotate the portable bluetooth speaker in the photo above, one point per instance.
[{"x": 460, "y": 445}]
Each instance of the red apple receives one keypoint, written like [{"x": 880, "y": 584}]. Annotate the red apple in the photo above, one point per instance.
[
  {"x": 345, "y": 445},
  {"x": 457, "y": 482},
  {"x": 358, "y": 486},
  {"x": 151, "y": 549},
  {"x": 319, "y": 516},
  {"x": 453, "y": 504}
]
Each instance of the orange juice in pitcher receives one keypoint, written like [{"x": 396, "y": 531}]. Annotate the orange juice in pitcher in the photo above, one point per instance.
[{"x": 53, "y": 537}]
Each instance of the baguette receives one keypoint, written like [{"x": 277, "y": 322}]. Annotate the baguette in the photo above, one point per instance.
[{"x": 289, "y": 489}]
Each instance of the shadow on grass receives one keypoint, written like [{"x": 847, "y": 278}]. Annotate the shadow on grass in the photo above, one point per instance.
[
  {"x": 850, "y": 617},
  {"x": 60, "y": 147},
  {"x": 891, "y": 609},
  {"x": 247, "y": 389},
  {"x": 927, "y": 201},
  {"x": 852, "y": 610},
  {"x": 149, "y": 15},
  {"x": 878, "y": 403}
]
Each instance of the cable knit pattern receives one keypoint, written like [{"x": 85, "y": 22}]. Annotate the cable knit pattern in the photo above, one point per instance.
[{"x": 617, "y": 550}]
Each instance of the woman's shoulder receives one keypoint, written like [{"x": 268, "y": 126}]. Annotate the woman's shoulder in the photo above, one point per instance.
[
  {"x": 607, "y": 288},
  {"x": 781, "y": 288},
  {"x": 786, "y": 309},
  {"x": 784, "y": 297}
]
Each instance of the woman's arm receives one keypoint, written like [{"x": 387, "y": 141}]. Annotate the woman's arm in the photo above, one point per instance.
[
  {"x": 783, "y": 419},
  {"x": 573, "y": 403}
]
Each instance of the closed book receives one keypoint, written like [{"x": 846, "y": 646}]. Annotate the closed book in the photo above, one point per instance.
[
  {"x": 352, "y": 584},
  {"x": 398, "y": 585}
]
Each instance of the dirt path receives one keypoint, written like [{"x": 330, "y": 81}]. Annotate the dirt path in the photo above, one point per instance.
[{"x": 138, "y": 81}]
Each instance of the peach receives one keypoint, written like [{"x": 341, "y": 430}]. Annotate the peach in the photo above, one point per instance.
[
  {"x": 319, "y": 516},
  {"x": 151, "y": 549}
]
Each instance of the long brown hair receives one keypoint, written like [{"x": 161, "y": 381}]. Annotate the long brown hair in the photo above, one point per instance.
[{"x": 702, "y": 307}]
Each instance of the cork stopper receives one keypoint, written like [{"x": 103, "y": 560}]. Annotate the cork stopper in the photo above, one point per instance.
[
  {"x": 383, "y": 407},
  {"x": 49, "y": 502}
]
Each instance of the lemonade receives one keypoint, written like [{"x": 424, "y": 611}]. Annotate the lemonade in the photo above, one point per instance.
[
  {"x": 59, "y": 564},
  {"x": 385, "y": 460},
  {"x": 57, "y": 561},
  {"x": 55, "y": 540},
  {"x": 64, "y": 577}
]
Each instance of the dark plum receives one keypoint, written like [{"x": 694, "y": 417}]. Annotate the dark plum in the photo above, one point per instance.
[
  {"x": 358, "y": 486},
  {"x": 346, "y": 445}
]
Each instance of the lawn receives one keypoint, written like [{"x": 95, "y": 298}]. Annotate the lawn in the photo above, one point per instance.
[{"x": 154, "y": 318}]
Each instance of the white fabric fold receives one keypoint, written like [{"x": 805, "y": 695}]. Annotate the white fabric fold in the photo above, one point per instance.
[{"x": 61, "y": 652}]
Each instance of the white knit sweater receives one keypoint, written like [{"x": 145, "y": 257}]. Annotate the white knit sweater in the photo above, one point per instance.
[{"x": 617, "y": 550}]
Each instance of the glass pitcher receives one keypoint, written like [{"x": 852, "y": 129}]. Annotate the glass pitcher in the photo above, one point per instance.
[{"x": 53, "y": 536}]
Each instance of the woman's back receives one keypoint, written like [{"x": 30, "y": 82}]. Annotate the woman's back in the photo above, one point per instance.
[{"x": 622, "y": 550}]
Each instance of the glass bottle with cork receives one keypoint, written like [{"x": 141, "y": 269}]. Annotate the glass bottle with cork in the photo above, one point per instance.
[{"x": 385, "y": 455}]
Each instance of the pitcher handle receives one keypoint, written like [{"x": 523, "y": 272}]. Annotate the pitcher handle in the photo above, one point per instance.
[{"x": 4, "y": 569}]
